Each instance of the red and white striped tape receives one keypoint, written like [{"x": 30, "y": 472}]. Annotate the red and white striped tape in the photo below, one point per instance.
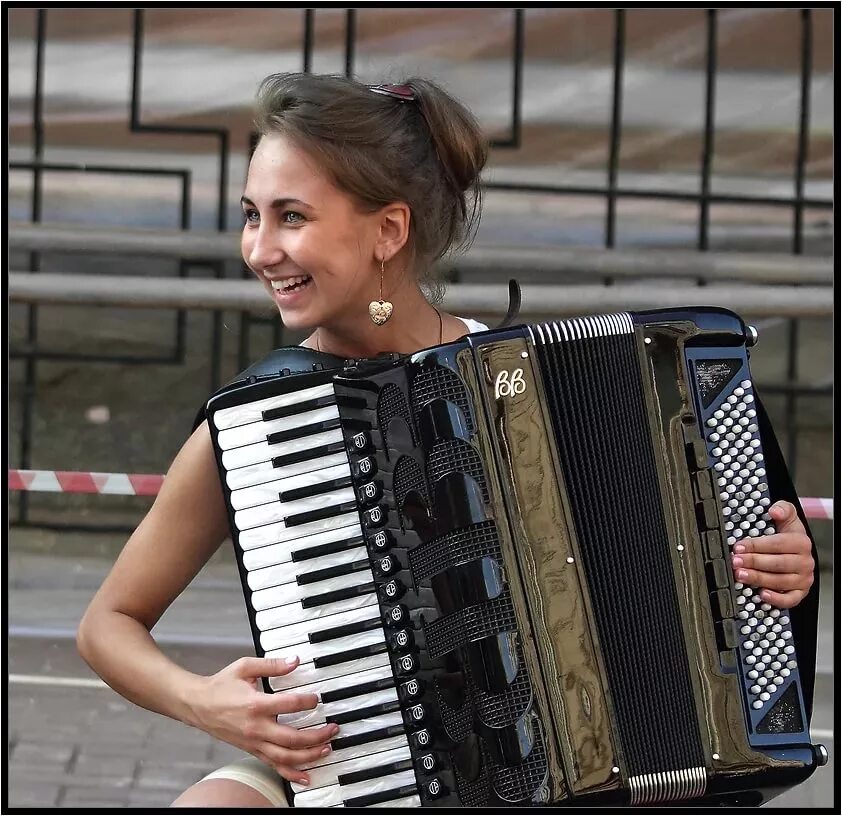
[
  {"x": 818, "y": 508},
  {"x": 148, "y": 484},
  {"x": 71, "y": 481}
]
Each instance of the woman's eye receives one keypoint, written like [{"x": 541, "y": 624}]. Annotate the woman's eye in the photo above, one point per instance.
[
  {"x": 292, "y": 217},
  {"x": 251, "y": 216}
]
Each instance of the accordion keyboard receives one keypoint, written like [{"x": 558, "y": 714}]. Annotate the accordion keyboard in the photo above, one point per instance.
[{"x": 296, "y": 521}]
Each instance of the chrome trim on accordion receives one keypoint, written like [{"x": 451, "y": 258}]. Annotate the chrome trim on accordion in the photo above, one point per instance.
[
  {"x": 579, "y": 328},
  {"x": 669, "y": 786}
]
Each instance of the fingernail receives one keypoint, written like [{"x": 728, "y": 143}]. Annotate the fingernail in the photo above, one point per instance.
[
  {"x": 739, "y": 548},
  {"x": 291, "y": 661},
  {"x": 742, "y": 574},
  {"x": 334, "y": 729},
  {"x": 737, "y": 561},
  {"x": 303, "y": 780},
  {"x": 326, "y": 750}
]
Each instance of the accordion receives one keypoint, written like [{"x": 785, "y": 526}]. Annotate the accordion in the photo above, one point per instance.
[{"x": 504, "y": 565}]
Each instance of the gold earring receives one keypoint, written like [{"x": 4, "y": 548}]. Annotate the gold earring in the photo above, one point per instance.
[{"x": 380, "y": 310}]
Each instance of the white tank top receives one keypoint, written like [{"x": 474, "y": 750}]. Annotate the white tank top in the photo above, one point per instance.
[{"x": 473, "y": 325}]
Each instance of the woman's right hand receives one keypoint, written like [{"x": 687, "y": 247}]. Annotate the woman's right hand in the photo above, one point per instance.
[{"x": 231, "y": 706}]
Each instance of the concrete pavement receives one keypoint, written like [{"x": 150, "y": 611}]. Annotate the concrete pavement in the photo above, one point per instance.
[{"x": 73, "y": 742}]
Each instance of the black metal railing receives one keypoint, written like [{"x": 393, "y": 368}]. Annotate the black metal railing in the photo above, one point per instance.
[{"x": 612, "y": 192}]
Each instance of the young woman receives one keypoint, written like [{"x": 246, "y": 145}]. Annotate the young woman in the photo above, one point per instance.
[{"x": 352, "y": 193}]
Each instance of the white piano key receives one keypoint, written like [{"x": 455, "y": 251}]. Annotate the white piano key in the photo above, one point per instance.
[
  {"x": 366, "y": 749},
  {"x": 281, "y": 636},
  {"x": 356, "y": 678},
  {"x": 276, "y": 644},
  {"x": 328, "y": 774},
  {"x": 259, "y": 431},
  {"x": 281, "y": 542},
  {"x": 406, "y": 802},
  {"x": 279, "y": 533},
  {"x": 253, "y": 411},
  {"x": 277, "y": 511},
  {"x": 363, "y": 727},
  {"x": 265, "y": 471},
  {"x": 279, "y": 575},
  {"x": 370, "y": 750},
  {"x": 249, "y": 455},
  {"x": 295, "y": 613},
  {"x": 306, "y": 674},
  {"x": 270, "y": 491},
  {"x": 263, "y": 452},
  {"x": 275, "y": 598},
  {"x": 337, "y": 794},
  {"x": 319, "y": 714}
]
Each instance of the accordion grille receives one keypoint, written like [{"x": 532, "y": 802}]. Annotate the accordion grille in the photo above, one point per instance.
[
  {"x": 441, "y": 383},
  {"x": 510, "y": 782},
  {"x": 601, "y": 429},
  {"x": 434, "y": 556},
  {"x": 472, "y": 623},
  {"x": 456, "y": 456}
]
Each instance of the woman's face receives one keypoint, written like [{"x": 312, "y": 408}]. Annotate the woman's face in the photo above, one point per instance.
[{"x": 306, "y": 240}]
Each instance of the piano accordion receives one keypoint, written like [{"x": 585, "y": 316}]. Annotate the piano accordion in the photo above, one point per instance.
[{"x": 503, "y": 564}]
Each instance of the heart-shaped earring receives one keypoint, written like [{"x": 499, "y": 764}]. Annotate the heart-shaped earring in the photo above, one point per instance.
[{"x": 380, "y": 310}]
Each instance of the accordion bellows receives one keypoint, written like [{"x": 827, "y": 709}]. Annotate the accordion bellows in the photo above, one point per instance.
[{"x": 503, "y": 563}]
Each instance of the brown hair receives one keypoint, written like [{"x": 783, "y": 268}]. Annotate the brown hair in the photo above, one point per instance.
[{"x": 428, "y": 152}]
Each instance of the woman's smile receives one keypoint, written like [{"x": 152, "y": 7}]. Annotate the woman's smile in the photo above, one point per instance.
[{"x": 290, "y": 291}]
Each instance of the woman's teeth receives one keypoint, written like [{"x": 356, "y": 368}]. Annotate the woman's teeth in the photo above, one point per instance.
[{"x": 289, "y": 283}]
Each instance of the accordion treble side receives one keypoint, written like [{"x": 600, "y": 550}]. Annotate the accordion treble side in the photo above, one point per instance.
[{"x": 539, "y": 521}]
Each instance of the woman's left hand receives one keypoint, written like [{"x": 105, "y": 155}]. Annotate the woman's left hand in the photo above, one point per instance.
[{"x": 780, "y": 564}]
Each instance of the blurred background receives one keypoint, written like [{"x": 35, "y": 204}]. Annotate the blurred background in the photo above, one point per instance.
[{"x": 637, "y": 155}]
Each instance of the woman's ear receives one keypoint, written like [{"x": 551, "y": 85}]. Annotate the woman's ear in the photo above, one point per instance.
[{"x": 394, "y": 230}]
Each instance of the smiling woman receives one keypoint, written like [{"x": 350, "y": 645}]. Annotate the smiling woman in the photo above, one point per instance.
[{"x": 353, "y": 192}]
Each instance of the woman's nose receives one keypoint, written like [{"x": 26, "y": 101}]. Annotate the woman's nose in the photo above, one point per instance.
[{"x": 260, "y": 250}]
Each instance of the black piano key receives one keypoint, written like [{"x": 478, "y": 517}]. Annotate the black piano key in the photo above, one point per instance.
[
  {"x": 362, "y": 713},
  {"x": 308, "y": 491},
  {"x": 384, "y": 796},
  {"x": 355, "y": 691},
  {"x": 345, "y": 630},
  {"x": 302, "y": 431},
  {"x": 368, "y": 736},
  {"x": 374, "y": 773},
  {"x": 299, "y": 407},
  {"x": 352, "y": 403},
  {"x": 306, "y": 455},
  {"x": 337, "y": 595},
  {"x": 317, "y": 515},
  {"x": 327, "y": 549},
  {"x": 332, "y": 572},
  {"x": 350, "y": 654}
]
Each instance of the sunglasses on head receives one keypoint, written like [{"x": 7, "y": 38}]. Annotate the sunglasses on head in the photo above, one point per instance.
[{"x": 403, "y": 93}]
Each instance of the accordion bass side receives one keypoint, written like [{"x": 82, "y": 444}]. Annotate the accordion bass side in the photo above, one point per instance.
[{"x": 514, "y": 553}]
